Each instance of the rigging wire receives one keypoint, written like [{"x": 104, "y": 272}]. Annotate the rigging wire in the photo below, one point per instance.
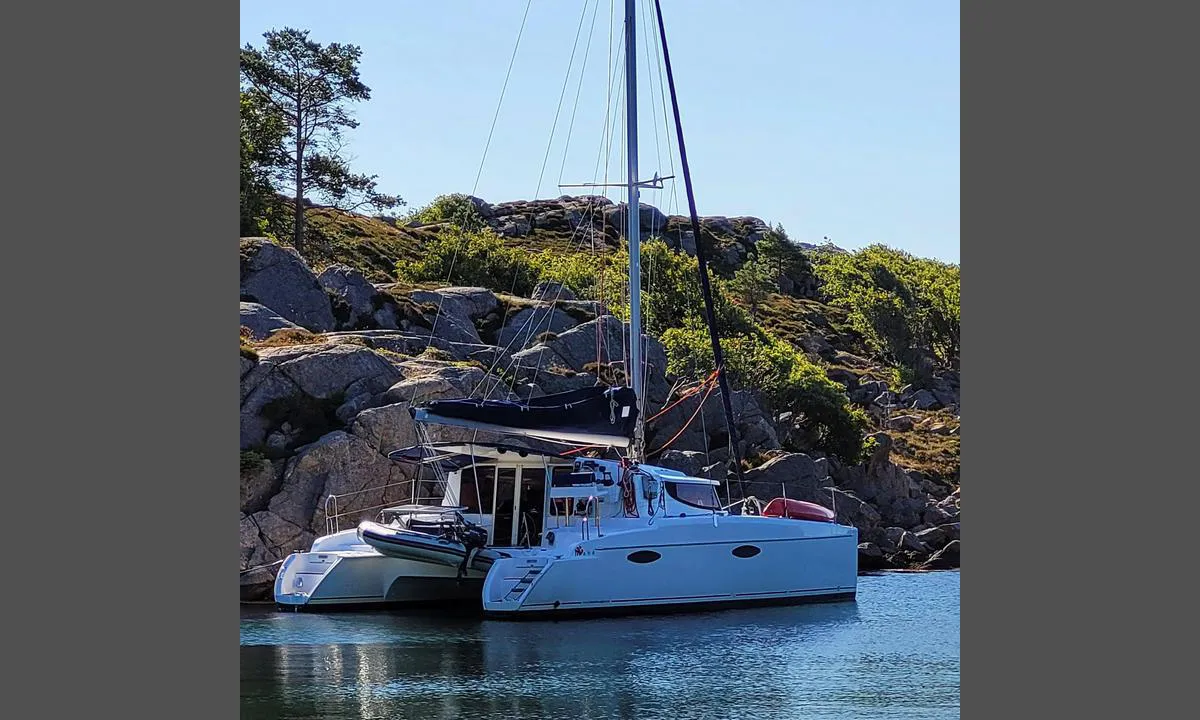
[
  {"x": 592, "y": 208},
  {"x": 474, "y": 188},
  {"x": 561, "y": 95},
  {"x": 503, "y": 89},
  {"x": 579, "y": 89}
]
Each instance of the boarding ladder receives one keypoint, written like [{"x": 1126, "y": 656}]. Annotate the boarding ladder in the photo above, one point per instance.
[{"x": 523, "y": 584}]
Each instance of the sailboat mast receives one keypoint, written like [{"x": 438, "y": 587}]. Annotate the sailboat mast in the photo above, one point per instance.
[
  {"x": 701, "y": 261},
  {"x": 633, "y": 223}
]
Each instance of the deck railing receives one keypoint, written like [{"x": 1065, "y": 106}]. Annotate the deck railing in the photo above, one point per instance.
[{"x": 333, "y": 516}]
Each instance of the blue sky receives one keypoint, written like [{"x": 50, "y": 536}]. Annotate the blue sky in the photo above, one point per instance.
[{"x": 836, "y": 118}]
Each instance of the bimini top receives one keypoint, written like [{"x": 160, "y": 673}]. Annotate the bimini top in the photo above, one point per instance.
[
  {"x": 595, "y": 415},
  {"x": 456, "y": 455}
]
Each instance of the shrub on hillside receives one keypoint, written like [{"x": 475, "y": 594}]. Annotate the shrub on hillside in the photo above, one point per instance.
[
  {"x": 906, "y": 307},
  {"x": 477, "y": 258},
  {"x": 784, "y": 378},
  {"x": 455, "y": 208}
]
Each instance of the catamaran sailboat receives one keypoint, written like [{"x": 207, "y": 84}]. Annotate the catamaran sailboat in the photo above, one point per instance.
[
  {"x": 423, "y": 553},
  {"x": 629, "y": 536}
]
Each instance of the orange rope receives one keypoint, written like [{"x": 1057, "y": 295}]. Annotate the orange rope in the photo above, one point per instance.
[
  {"x": 685, "y": 396},
  {"x": 685, "y": 426},
  {"x": 580, "y": 448},
  {"x": 708, "y": 381}
]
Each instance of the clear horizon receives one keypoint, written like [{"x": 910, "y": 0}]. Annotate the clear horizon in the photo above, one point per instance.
[{"x": 837, "y": 120}]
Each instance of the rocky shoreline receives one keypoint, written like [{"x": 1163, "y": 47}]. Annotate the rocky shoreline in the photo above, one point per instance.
[{"x": 331, "y": 363}]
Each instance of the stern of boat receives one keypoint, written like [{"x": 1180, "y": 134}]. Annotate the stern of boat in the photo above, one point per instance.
[
  {"x": 508, "y": 583},
  {"x": 299, "y": 577}
]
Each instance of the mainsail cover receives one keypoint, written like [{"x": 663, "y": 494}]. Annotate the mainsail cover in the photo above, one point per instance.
[{"x": 595, "y": 415}]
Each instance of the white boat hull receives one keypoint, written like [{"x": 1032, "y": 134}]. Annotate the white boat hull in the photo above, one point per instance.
[
  {"x": 681, "y": 564},
  {"x": 341, "y": 573}
]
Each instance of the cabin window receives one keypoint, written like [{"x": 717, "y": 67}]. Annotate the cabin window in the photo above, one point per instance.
[
  {"x": 694, "y": 494},
  {"x": 475, "y": 488},
  {"x": 558, "y": 506},
  {"x": 642, "y": 557}
]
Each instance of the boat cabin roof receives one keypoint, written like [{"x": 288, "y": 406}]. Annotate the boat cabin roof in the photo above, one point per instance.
[
  {"x": 669, "y": 475},
  {"x": 456, "y": 456}
]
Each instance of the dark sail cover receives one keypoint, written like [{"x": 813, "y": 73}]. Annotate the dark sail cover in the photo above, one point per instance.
[{"x": 600, "y": 414}]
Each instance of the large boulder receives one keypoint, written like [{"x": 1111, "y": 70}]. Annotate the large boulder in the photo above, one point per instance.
[
  {"x": 552, "y": 291},
  {"x": 689, "y": 462},
  {"x": 650, "y": 218},
  {"x": 900, "y": 500},
  {"x": 944, "y": 559},
  {"x": 795, "y": 475},
  {"x": 526, "y": 326},
  {"x": 553, "y": 382},
  {"x": 338, "y": 464},
  {"x": 363, "y": 305},
  {"x": 299, "y": 391},
  {"x": 851, "y": 510},
  {"x": 262, "y": 320},
  {"x": 923, "y": 400},
  {"x": 259, "y": 482},
  {"x": 335, "y": 368},
  {"x": 264, "y": 540},
  {"x": 386, "y": 428},
  {"x": 754, "y": 431},
  {"x": 425, "y": 382},
  {"x": 578, "y": 346},
  {"x": 277, "y": 278},
  {"x": 870, "y": 557},
  {"x": 532, "y": 362},
  {"x": 934, "y": 537},
  {"x": 468, "y": 302}
]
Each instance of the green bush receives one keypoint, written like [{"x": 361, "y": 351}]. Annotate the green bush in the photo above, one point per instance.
[
  {"x": 780, "y": 257},
  {"x": 578, "y": 271},
  {"x": 455, "y": 208},
  {"x": 477, "y": 258},
  {"x": 671, "y": 292},
  {"x": 784, "y": 378},
  {"x": 906, "y": 307},
  {"x": 252, "y": 461}
]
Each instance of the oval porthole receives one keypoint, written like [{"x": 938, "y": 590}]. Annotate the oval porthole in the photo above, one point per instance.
[
  {"x": 746, "y": 551},
  {"x": 643, "y": 556}
]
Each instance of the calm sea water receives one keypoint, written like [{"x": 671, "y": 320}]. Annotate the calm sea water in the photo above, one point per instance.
[{"x": 893, "y": 653}]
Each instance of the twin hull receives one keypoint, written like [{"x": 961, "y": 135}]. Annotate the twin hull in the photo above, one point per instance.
[
  {"x": 681, "y": 563},
  {"x": 348, "y": 574}
]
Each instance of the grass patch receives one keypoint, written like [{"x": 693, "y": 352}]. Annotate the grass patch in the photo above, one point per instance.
[
  {"x": 432, "y": 353},
  {"x": 791, "y": 319},
  {"x": 934, "y": 454},
  {"x": 288, "y": 337},
  {"x": 608, "y": 374},
  {"x": 252, "y": 461},
  {"x": 370, "y": 245}
]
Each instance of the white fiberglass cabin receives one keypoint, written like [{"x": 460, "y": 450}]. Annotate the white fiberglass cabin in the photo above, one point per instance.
[
  {"x": 654, "y": 539},
  {"x": 498, "y": 488}
]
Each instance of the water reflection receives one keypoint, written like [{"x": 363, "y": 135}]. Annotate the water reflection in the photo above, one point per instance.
[{"x": 894, "y": 653}]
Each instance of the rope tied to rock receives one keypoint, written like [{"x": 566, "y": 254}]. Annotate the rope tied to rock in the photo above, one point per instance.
[{"x": 260, "y": 567}]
